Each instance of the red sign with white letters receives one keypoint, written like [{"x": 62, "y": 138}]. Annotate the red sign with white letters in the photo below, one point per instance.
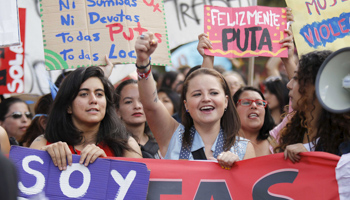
[{"x": 12, "y": 62}]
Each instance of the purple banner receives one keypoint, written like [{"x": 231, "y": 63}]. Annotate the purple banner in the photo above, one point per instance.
[{"x": 103, "y": 179}]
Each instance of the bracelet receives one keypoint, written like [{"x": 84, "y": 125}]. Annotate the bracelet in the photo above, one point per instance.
[
  {"x": 143, "y": 67},
  {"x": 143, "y": 75}
]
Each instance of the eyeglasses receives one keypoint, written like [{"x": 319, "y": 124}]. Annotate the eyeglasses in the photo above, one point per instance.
[
  {"x": 18, "y": 115},
  {"x": 248, "y": 102}
]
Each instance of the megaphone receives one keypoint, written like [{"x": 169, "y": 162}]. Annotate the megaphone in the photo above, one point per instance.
[{"x": 333, "y": 82}]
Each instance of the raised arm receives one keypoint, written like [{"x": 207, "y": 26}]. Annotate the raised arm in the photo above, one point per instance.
[
  {"x": 204, "y": 43},
  {"x": 288, "y": 42},
  {"x": 158, "y": 118}
]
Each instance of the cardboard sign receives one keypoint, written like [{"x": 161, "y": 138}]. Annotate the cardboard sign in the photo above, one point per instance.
[
  {"x": 103, "y": 179},
  {"x": 186, "y": 18},
  {"x": 266, "y": 177},
  {"x": 245, "y": 32},
  {"x": 9, "y": 24},
  {"x": 320, "y": 25},
  {"x": 12, "y": 62},
  {"x": 78, "y": 33}
]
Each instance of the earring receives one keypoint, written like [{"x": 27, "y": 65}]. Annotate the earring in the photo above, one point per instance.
[
  {"x": 186, "y": 110},
  {"x": 225, "y": 109}
]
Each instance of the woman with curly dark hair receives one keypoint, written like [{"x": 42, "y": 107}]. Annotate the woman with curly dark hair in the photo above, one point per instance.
[{"x": 312, "y": 128}]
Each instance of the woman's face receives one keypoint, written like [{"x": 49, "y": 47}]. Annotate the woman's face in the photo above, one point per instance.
[
  {"x": 233, "y": 82},
  {"x": 130, "y": 107},
  {"x": 89, "y": 106},
  {"x": 205, "y": 99},
  {"x": 252, "y": 117},
  {"x": 16, "y": 127},
  {"x": 294, "y": 94},
  {"x": 180, "y": 78},
  {"x": 271, "y": 100},
  {"x": 163, "y": 97}
]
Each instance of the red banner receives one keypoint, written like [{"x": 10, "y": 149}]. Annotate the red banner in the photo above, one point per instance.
[
  {"x": 245, "y": 32},
  {"x": 267, "y": 177},
  {"x": 12, "y": 62}
]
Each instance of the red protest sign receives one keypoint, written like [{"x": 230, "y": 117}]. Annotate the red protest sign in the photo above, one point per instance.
[
  {"x": 12, "y": 62},
  {"x": 266, "y": 177},
  {"x": 245, "y": 32}
]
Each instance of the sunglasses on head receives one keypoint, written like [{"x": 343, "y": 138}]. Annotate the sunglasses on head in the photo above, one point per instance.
[{"x": 18, "y": 115}]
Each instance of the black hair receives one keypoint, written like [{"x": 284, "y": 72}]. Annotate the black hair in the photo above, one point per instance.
[
  {"x": 60, "y": 126},
  {"x": 268, "y": 120},
  {"x": 6, "y": 104},
  {"x": 173, "y": 96}
]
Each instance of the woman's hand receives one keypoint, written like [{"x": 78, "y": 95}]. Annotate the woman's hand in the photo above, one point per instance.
[
  {"x": 203, "y": 43},
  {"x": 226, "y": 159},
  {"x": 292, "y": 152},
  {"x": 145, "y": 45},
  {"x": 290, "y": 17},
  {"x": 90, "y": 153},
  {"x": 288, "y": 42},
  {"x": 59, "y": 153},
  {"x": 107, "y": 69}
]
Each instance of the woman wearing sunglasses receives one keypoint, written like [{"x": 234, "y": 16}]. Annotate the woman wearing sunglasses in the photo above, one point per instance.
[{"x": 15, "y": 117}]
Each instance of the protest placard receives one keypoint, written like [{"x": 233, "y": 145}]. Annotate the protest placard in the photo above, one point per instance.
[
  {"x": 78, "y": 33},
  {"x": 320, "y": 25},
  {"x": 103, "y": 179},
  {"x": 9, "y": 24},
  {"x": 245, "y": 32},
  {"x": 12, "y": 62},
  {"x": 187, "y": 18}
]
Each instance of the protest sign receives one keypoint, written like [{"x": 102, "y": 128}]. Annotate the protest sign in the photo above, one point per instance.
[
  {"x": 245, "y": 32},
  {"x": 9, "y": 24},
  {"x": 187, "y": 19},
  {"x": 320, "y": 25},
  {"x": 12, "y": 62},
  {"x": 103, "y": 179},
  {"x": 265, "y": 177},
  {"x": 78, "y": 33}
]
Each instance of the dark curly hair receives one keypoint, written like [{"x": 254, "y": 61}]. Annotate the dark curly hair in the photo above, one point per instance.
[
  {"x": 268, "y": 120},
  {"x": 332, "y": 129}
]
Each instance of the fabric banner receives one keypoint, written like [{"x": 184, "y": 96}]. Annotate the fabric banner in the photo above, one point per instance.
[
  {"x": 320, "y": 25},
  {"x": 245, "y": 32},
  {"x": 12, "y": 62},
  {"x": 79, "y": 33},
  {"x": 266, "y": 177}
]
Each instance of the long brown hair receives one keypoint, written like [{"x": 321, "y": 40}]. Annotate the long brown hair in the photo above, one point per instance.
[
  {"x": 332, "y": 129},
  {"x": 229, "y": 122}
]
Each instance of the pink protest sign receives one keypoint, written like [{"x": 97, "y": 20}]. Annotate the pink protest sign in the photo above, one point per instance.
[{"x": 245, "y": 32}]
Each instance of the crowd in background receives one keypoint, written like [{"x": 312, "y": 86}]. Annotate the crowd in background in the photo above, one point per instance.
[{"x": 196, "y": 112}]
